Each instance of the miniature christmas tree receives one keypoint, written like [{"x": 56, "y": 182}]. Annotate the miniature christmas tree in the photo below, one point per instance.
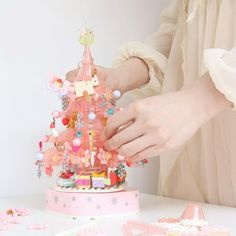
[{"x": 78, "y": 150}]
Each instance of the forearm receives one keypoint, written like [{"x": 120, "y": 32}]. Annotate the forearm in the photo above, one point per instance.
[{"x": 133, "y": 73}]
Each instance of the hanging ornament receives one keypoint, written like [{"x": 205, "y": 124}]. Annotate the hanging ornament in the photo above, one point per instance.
[
  {"x": 49, "y": 170},
  {"x": 45, "y": 138},
  {"x": 55, "y": 84},
  {"x": 144, "y": 161},
  {"x": 62, "y": 93},
  {"x": 56, "y": 114},
  {"x": 91, "y": 116},
  {"x": 75, "y": 148},
  {"x": 39, "y": 160},
  {"x": 94, "y": 72},
  {"x": 76, "y": 142},
  {"x": 39, "y": 156},
  {"x": 80, "y": 122},
  {"x": 117, "y": 93},
  {"x": 92, "y": 158},
  {"x": 121, "y": 158},
  {"x": 101, "y": 157},
  {"x": 86, "y": 86},
  {"x": 73, "y": 120},
  {"x": 110, "y": 112},
  {"x": 60, "y": 147},
  {"x": 65, "y": 102},
  {"x": 65, "y": 121},
  {"x": 54, "y": 132},
  {"x": 113, "y": 102},
  {"x": 53, "y": 124},
  {"x": 79, "y": 134},
  {"x": 103, "y": 103},
  {"x": 40, "y": 167}
]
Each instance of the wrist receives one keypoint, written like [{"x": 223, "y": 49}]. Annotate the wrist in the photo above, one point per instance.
[
  {"x": 207, "y": 98},
  {"x": 132, "y": 74}
]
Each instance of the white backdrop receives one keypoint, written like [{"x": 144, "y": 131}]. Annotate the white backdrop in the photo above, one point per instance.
[{"x": 39, "y": 38}]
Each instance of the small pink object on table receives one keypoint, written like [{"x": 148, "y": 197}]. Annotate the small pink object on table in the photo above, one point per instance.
[
  {"x": 193, "y": 212},
  {"x": 191, "y": 223}
]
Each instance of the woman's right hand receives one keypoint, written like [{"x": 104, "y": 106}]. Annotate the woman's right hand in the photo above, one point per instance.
[{"x": 129, "y": 75}]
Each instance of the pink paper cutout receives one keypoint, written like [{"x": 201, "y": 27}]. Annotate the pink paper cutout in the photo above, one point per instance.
[{"x": 12, "y": 216}]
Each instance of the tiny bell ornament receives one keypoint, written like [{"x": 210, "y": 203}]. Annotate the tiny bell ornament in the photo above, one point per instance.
[{"x": 79, "y": 151}]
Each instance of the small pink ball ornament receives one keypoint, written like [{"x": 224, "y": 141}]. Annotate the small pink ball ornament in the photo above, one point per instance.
[
  {"x": 39, "y": 156},
  {"x": 56, "y": 114},
  {"x": 76, "y": 142},
  {"x": 45, "y": 138},
  {"x": 75, "y": 149}
]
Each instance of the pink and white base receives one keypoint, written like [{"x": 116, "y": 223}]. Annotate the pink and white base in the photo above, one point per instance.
[{"x": 92, "y": 204}]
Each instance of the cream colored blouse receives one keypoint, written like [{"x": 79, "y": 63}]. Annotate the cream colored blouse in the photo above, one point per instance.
[{"x": 195, "y": 36}]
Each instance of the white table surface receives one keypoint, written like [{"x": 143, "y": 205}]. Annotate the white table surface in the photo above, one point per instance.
[{"x": 152, "y": 208}]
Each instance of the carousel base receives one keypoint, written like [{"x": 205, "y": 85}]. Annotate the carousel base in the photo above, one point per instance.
[{"x": 85, "y": 204}]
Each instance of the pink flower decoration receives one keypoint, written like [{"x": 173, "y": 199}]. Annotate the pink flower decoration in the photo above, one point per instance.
[{"x": 49, "y": 171}]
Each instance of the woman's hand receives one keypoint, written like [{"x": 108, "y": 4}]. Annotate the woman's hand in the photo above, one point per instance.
[
  {"x": 111, "y": 76},
  {"x": 158, "y": 124},
  {"x": 131, "y": 74}
]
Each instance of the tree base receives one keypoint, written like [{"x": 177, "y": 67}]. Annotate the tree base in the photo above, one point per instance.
[{"x": 82, "y": 204}]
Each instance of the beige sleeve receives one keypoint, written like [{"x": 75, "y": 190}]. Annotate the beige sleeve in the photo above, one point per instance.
[
  {"x": 221, "y": 65},
  {"x": 154, "y": 51}
]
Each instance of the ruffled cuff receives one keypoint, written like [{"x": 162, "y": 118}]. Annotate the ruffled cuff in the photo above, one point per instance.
[
  {"x": 155, "y": 61},
  {"x": 221, "y": 65}
]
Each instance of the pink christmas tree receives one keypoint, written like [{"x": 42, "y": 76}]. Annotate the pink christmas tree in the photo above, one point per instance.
[{"x": 78, "y": 150}]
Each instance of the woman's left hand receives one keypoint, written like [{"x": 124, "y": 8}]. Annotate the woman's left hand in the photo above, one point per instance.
[{"x": 154, "y": 125}]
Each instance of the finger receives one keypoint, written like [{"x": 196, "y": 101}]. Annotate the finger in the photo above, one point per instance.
[
  {"x": 104, "y": 74},
  {"x": 136, "y": 146},
  {"x": 147, "y": 153},
  {"x": 125, "y": 135},
  {"x": 101, "y": 72},
  {"x": 116, "y": 121},
  {"x": 70, "y": 76}
]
